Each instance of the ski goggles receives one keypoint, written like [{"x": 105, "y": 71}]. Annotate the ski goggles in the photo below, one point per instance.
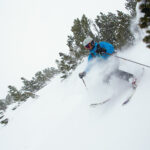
[{"x": 90, "y": 45}]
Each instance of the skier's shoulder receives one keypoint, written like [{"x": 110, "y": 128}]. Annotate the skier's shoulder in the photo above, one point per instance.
[
  {"x": 109, "y": 47},
  {"x": 103, "y": 44}
]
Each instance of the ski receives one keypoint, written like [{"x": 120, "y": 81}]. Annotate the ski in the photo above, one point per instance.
[
  {"x": 129, "y": 98},
  {"x": 134, "y": 90},
  {"x": 100, "y": 103}
]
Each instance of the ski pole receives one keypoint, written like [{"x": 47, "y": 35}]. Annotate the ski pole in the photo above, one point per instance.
[
  {"x": 84, "y": 82},
  {"x": 133, "y": 61},
  {"x": 129, "y": 60}
]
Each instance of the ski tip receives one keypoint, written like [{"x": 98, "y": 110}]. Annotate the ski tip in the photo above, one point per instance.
[{"x": 125, "y": 102}]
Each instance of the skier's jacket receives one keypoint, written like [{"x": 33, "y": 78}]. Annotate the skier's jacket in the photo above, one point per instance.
[{"x": 93, "y": 54}]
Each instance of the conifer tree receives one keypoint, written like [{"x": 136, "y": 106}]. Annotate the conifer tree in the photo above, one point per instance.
[
  {"x": 15, "y": 94},
  {"x": 2, "y": 105},
  {"x": 40, "y": 79},
  {"x": 65, "y": 65},
  {"x": 29, "y": 86},
  {"x": 8, "y": 99},
  {"x": 130, "y": 5},
  {"x": 145, "y": 20},
  {"x": 50, "y": 73},
  {"x": 115, "y": 28}
]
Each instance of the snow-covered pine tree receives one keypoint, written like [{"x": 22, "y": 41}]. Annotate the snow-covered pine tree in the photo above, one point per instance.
[{"x": 145, "y": 19}]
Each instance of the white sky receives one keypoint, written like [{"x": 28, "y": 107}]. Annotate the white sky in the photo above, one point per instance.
[{"x": 34, "y": 31}]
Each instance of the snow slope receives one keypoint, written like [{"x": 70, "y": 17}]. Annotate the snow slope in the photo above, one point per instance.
[{"x": 62, "y": 119}]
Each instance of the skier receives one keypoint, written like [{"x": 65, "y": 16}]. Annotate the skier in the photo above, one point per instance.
[{"x": 104, "y": 50}]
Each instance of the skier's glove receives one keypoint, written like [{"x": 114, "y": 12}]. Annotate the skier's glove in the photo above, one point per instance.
[
  {"x": 100, "y": 50},
  {"x": 82, "y": 74}
]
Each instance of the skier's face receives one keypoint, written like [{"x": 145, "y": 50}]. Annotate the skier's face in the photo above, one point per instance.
[{"x": 89, "y": 46}]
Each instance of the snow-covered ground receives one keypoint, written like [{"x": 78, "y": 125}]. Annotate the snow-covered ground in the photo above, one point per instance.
[{"x": 61, "y": 117}]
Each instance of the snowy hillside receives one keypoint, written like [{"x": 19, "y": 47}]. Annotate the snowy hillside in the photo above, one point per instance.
[{"x": 61, "y": 117}]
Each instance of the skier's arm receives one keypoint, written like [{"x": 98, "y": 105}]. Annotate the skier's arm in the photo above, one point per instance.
[
  {"x": 87, "y": 69},
  {"x": 109, "y": 47}
]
